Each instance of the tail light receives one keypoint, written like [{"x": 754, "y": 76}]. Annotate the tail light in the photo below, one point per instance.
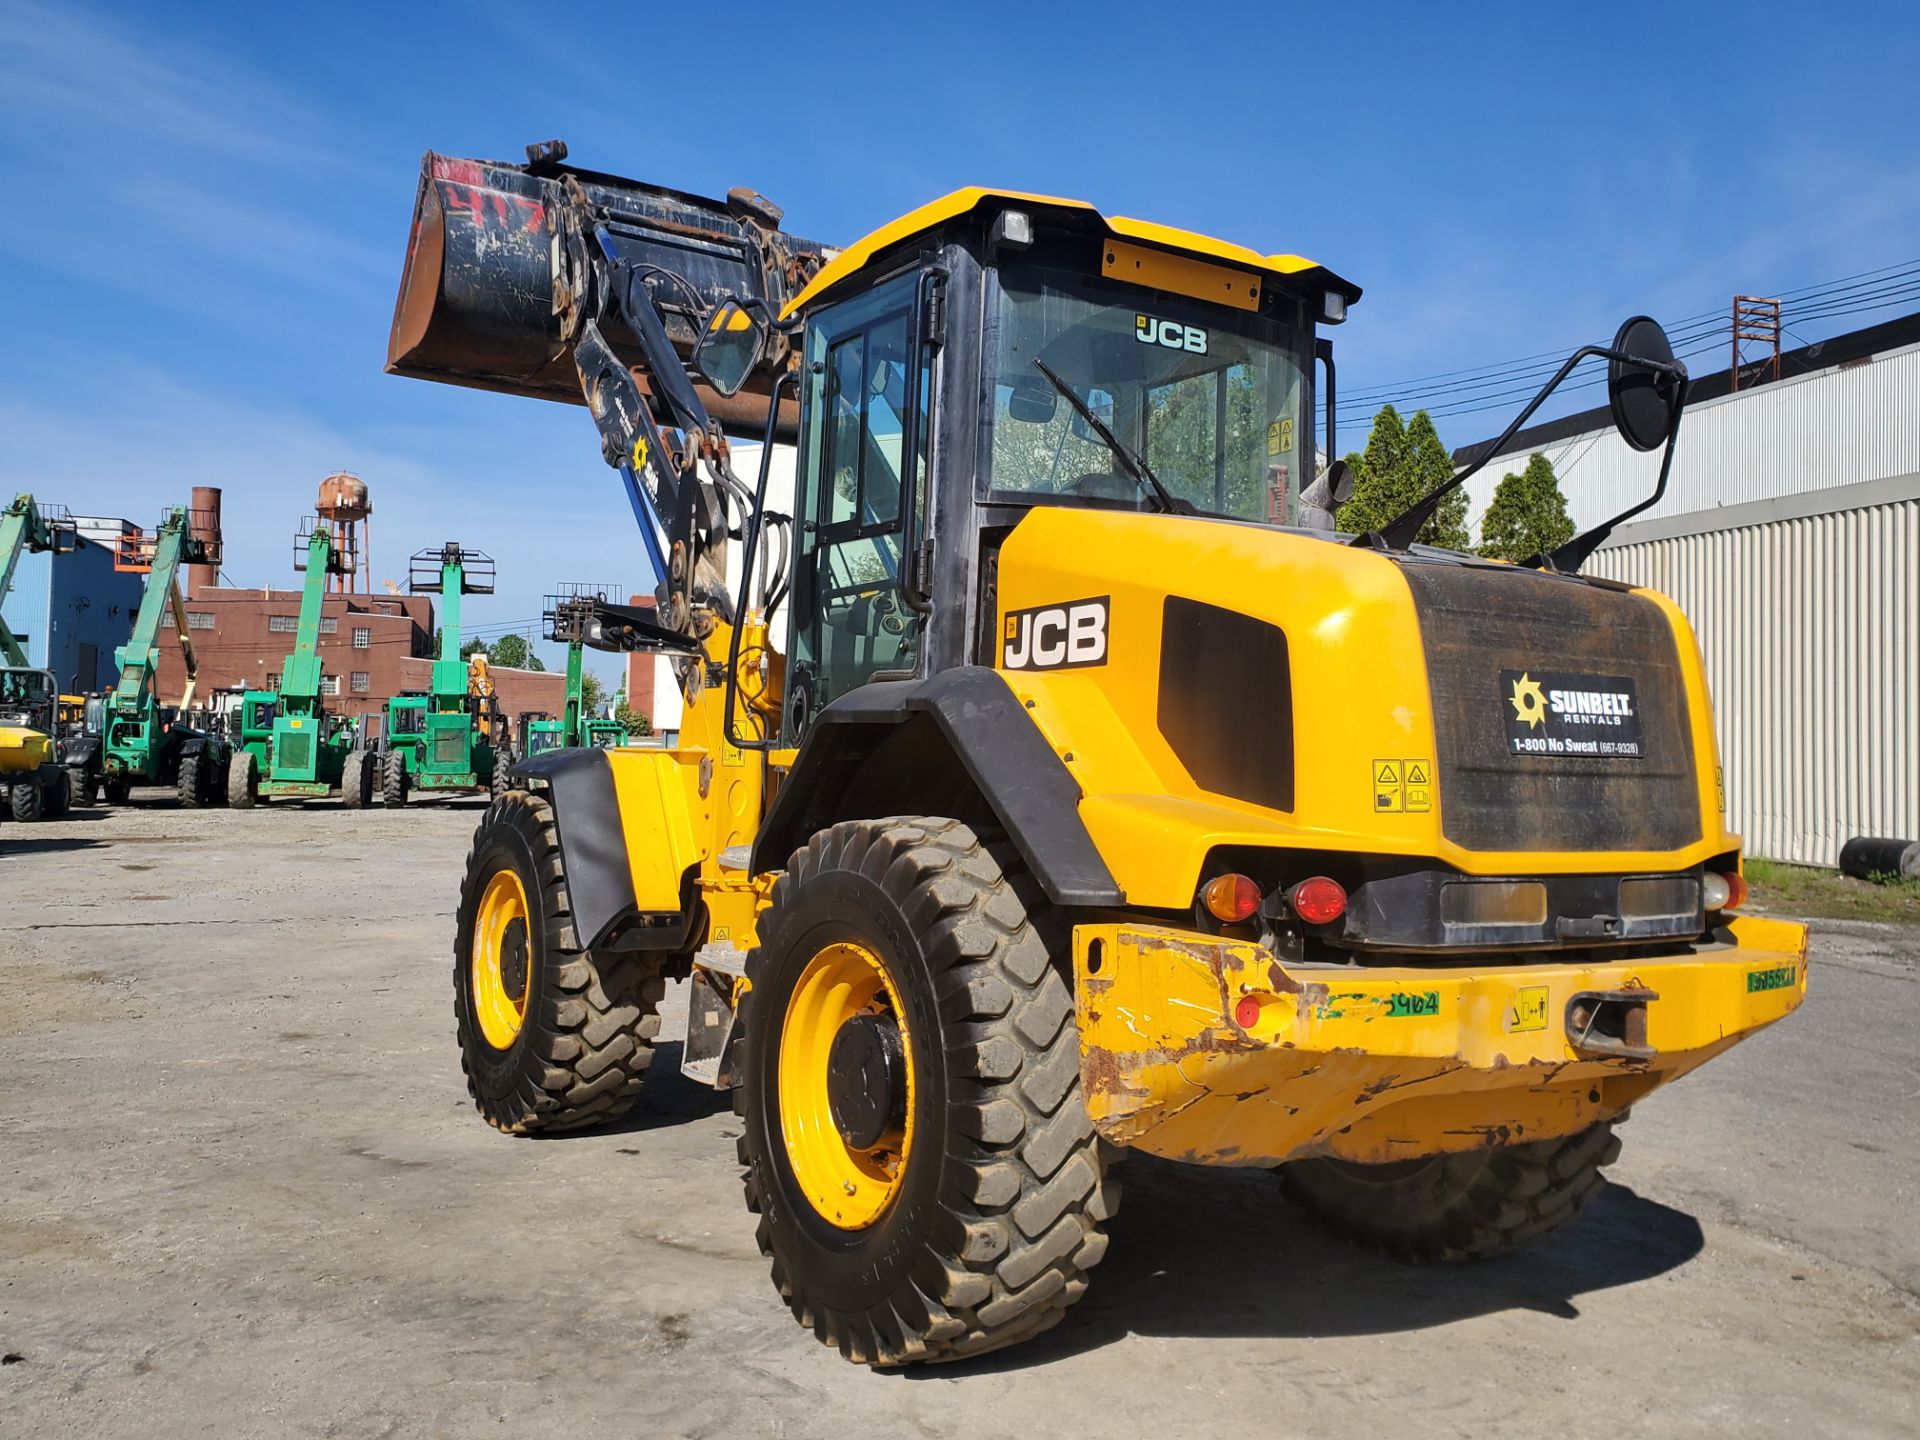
[
  {"x": 1318, "y": 900},
  {"x": 1231, "y": 898},
  {"x": 1723, "y": 891}
]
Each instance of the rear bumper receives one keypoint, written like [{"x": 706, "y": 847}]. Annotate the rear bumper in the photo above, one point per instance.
[
  {"x": 1209, "y": 1050},
  {"x": 23, "y": 750}
]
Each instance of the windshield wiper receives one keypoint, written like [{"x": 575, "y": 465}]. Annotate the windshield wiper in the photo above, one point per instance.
[{"x": 1136, "y": 468}]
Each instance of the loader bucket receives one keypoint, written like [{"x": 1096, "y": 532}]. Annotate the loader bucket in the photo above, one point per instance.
[{"x": 477, "y": 304}]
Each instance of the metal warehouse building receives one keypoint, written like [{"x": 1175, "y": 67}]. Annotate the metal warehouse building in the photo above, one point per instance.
[{"x": 1790, "y": 536}]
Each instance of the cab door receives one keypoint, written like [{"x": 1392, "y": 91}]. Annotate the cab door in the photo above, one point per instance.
[{"x": 860, "y": 499}]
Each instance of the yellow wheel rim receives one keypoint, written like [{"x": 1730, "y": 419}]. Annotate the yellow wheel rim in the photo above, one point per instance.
[
  {"x": 502, "y": 956},
  {"x": 849, "y": 1187}
]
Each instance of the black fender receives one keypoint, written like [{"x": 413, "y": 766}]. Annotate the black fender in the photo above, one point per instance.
[
  {"x": 899, "y": 746},
  {"x": 578, "y": 784}
]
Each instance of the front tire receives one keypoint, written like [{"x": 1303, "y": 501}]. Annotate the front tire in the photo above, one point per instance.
[
  {"x": 552, "y": 1037},
  {"x": 28, "y": 800},
  {"x": 939, "y": 1191},
  {"x": 191, "y": 782},
  {"x": 57, "y": 793},
  {"x": 356, "y": 780},
  {"x": 83, "y": 787},
  {"x": 1469, "y": 1205},
  {"x": 243, "y": 780},
  {"x": 393, "y": 780}
]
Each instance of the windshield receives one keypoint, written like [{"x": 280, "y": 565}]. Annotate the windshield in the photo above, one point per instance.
[
  {"x": 1210, "y": 397},
  {"x": 24, "y": 694}
]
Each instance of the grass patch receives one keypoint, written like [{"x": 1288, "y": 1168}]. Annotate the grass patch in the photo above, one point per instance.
[{"x": 1828, "y": 895}]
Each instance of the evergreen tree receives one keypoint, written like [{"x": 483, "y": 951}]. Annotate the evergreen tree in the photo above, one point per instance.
[
  {"x": 1402, "y": 462},
  {"x": 1528, "y": 515}
]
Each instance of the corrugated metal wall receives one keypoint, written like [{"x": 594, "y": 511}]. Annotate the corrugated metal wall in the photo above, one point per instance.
[
  {"x": 1833, "y": 427},
  {"x": 1811, "y": 632}
]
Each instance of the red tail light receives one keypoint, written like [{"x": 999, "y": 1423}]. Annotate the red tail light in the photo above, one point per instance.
[{"x": 1318, "y": 900}]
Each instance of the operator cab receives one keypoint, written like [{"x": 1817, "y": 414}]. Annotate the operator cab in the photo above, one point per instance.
[
  {"x": 1119, "y": 366},
  {"x": 28, "y": 697}
]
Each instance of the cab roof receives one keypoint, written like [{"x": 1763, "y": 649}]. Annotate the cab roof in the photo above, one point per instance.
[{"x": 966, "y": 201}]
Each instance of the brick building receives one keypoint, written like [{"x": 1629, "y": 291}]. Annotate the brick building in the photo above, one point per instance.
[
  {"x": 372, "y": 647},
  {"x": 242, "y": 638}
]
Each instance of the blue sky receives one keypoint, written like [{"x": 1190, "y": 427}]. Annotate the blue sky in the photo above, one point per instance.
[{"x": 210, "y": 202}]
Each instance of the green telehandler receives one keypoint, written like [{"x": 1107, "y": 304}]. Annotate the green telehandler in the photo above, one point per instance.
[
  {"x": 34, "y": 781},
  {"x": 453, "y": 737},
  {"x": 147, "y": 743},
  {"x": 288, "y": 742},
  {"x": 571, "y": 620}
]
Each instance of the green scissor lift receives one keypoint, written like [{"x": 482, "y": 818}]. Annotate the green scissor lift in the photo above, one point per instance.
[
  {"x": 145, "y": 744},
  {"x": 449, "y": 738},
  {"x": 289, "y": 744},
  {"x": 570, "y": 621}
]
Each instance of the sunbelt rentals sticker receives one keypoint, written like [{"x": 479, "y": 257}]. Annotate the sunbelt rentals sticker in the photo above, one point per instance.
[{"x": 1551, "y": 712}]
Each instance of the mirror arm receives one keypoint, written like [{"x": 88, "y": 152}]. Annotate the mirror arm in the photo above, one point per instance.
[
  {"x": 746, "y": 566},
  {"x": 1399, "y": 532},
  {"x": 1568, "y": 558}
]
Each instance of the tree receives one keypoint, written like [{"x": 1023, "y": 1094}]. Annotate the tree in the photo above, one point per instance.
[
  {"x": 636, "y": 723},
  {"x": 593, "y": 691},
  {"x": 1401, "y": 463},
  {"x": 1528, "y": 515},
  {"x": 514, "y": 653}
]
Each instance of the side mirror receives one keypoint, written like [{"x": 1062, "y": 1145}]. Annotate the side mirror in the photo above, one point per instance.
[
  {"x": 731, "y": 345},
  {"x": 1644, "y": 401},
  {"x": 1033, "y": 400}
]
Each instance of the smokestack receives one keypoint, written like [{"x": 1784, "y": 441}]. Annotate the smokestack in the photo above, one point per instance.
[{"x": 203, "y": 523}]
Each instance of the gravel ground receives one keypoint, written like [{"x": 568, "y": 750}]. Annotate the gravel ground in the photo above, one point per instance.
[{"x": 243, "y": 1193}]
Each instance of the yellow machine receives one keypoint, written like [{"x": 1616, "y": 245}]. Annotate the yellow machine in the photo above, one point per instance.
[{"x": 1073, "y": 786}]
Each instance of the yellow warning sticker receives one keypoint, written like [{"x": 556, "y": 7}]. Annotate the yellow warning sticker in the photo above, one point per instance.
[
  {"x": 1528, "y": 1010},
  {"x": 730, "y": 755},
  {"x": 1388, "y": 786},
  {"x": 1402, "y": 787}
]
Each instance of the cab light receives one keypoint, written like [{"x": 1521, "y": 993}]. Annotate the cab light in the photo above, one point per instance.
[
  {"x": 1723, "y": 891},
  {"x": 1318, "y": 900},
  {"x": 1231, "y": 898}
]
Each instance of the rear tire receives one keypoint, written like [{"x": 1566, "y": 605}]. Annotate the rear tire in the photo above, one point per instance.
[
  {"x": 1468, "y": 1205},
  {"x": 552, "y": 1037},
  {"x": 393, "y": 786},
  {"x": 83, "y": 787},
  {"x": 975, "y": 1210},
  {"x": 117, "y": 791},
  {"x": 56, "y": 796},
  {"x": 243, "y": 780}
]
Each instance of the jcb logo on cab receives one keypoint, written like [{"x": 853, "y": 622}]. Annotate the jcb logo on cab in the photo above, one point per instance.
[
  {"x": 1170, "y": 333},
  {"x": 1055, "y": 637}
]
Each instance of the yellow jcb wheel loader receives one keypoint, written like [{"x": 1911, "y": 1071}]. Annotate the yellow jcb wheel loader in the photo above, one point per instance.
[{"x": 1056, "y": 780}]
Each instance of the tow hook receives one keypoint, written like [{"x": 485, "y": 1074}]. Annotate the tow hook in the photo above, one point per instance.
[{"x": 1610, "y": 1023}]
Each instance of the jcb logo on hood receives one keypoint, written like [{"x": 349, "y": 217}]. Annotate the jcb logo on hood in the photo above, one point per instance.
[
  {"x": 1170, "y": 333},
  {"x": 1055, "y": 637}
]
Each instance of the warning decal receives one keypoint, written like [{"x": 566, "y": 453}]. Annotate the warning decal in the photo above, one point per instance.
[{"x": 1402, "y": 787}]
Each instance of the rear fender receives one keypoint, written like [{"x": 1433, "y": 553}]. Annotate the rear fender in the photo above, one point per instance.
[{"x": 629, "y": 845}]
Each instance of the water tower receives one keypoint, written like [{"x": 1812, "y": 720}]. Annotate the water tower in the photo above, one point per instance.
[{"x": 343, "y": 507}]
